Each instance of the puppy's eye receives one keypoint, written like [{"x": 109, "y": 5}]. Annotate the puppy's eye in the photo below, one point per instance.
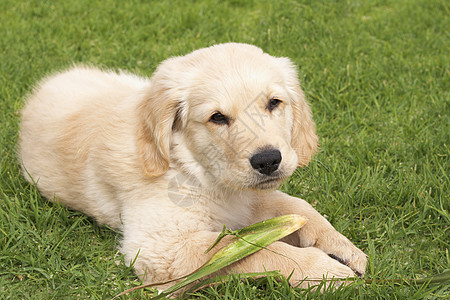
[
  {"x": 220, "y": 119},
  {"x": 273, "y": 103}
]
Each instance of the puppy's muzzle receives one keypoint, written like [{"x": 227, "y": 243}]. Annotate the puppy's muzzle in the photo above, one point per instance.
[{"x": 266, "y": 162}]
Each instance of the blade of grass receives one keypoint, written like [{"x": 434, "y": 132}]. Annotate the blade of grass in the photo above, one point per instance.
[
  {"x": 223, "y": 278},
  {"x": 434, "y": 279}
]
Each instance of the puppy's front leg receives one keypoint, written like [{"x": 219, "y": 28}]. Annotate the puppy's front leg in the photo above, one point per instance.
[
  {"x": 160, "y": 264},
  {"x": 317, "y": 232}
]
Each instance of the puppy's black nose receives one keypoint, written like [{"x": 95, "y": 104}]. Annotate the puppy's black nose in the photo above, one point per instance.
[{"x": 266, "y": 162}]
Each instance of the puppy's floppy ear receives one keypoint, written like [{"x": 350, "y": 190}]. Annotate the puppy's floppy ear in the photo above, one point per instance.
[
  {"x": 303, "y": 135},
  {"x": 157, "y": 113}
]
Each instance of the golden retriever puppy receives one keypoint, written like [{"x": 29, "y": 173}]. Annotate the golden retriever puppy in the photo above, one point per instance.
[{"x": 169, "y": 160}]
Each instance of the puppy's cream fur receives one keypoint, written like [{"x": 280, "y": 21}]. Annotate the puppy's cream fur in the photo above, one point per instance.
[{"x": 142, "y": 156}]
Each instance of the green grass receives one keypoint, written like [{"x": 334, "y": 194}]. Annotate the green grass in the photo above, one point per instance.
[{"x": 376, "y": 74}]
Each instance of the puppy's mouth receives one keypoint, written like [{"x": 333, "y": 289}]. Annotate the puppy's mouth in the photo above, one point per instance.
[{"x": 267, "y": 182}]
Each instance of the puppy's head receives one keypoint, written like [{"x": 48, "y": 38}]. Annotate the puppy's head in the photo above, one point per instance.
[{"x": 230, "y": 115}]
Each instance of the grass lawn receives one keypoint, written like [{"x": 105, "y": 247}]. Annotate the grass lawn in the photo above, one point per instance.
[{"x": 375, "y": 72}]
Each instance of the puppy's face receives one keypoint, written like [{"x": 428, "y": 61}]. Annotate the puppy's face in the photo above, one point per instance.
[
  {"x": 239, "y": 123},
  {"x": 237, "y": 117}
]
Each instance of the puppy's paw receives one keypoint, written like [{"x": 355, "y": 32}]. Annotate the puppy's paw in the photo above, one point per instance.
[
  {"x": 318, "y": 267},
  {"x": 342, "y": 250}
]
